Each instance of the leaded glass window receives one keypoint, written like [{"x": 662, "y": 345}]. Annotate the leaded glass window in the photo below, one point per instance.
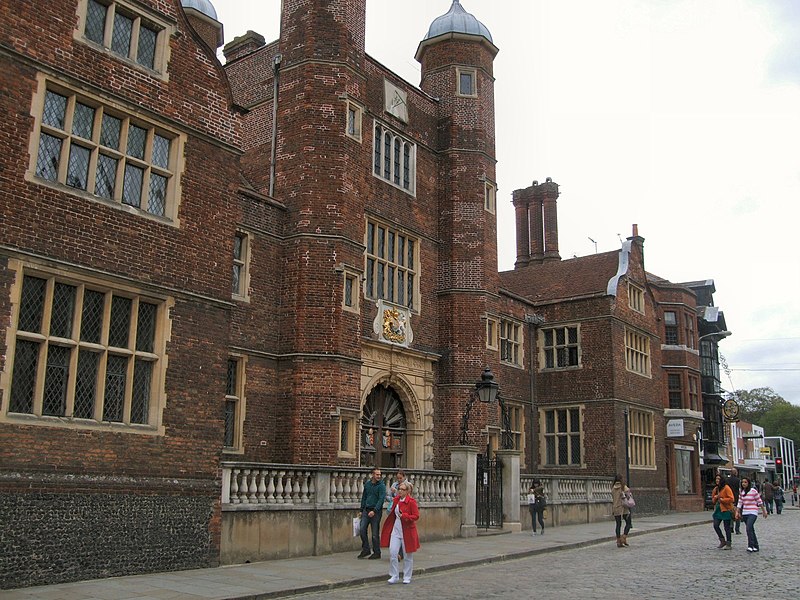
[
  {"x": 134, "y": 167},
  {"x": 390, "y": 260},
  {"x": 130, "y": 36},
  {"x": 394, "y": 158},
  {"x": 95, "y": 359}
]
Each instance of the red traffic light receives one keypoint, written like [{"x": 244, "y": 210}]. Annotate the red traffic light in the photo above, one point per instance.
[{"x": 778, "y": 464}]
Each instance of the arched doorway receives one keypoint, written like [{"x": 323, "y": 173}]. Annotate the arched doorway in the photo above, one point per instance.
[{"x": 383, "y": 429}]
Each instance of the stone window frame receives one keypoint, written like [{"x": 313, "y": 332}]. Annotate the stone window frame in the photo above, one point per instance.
[
  {"x": 157, "y": 356},
  {"x": 490, "y": 197},
  {"x": 636, "y": 297},
  {"x": 492, "y": 333},
  {"x": 399, "y": 168},
  {"x": 347, "y": 428},
  {"x": 242, "y": 250},
  {"x": 354, "y": 117},
  {"x": 511, "y": 339},
  {"x": 637, "y": 353},
  {"x": 694, "y": 393},
  {"x": 235, "y": 399},
  {"x": 66, "y": 138},
  {"x": 553, "y": 351},
  {"x": 689, "y": 319},
  {"x": 516, "y": 417},
  {"x": 671, "y": 327},
  {"x": 140, "y": 19},
  {"x": 675, "y": 390},
  {"x": 574, "y": 438},
  {"x": 351, "y": 290},
  {"x": 641, "y": 439},
  {"x": 472, "y": 74},
  {"x": 396, "y": 269},
  {"x": 681, "y": 474}
]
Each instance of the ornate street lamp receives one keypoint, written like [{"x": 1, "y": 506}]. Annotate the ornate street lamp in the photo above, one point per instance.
[{"x": 487, "y": 391}]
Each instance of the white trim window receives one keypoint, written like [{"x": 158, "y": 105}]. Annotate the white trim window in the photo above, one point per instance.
[
  {"x": 642, "y": 439},
  {"x": 394, "y": 158},
  {"x": 637, "y": 352},
  {"x": 636, "y": 298}
]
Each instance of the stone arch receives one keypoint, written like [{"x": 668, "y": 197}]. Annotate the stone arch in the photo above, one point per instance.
[{"x": 413, "y": 451}]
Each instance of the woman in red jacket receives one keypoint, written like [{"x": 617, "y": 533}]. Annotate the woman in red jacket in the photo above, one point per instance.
[{"x": 400, "y": 531}]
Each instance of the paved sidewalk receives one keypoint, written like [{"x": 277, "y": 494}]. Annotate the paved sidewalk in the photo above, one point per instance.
[{"x": 280, "y": 578}]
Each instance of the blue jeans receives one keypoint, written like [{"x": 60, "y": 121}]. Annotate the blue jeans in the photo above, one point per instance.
[
  {"x": 750, "y": 525},
  {"x": 768, "y": 503},
  {"x": 375, "y": 523}
]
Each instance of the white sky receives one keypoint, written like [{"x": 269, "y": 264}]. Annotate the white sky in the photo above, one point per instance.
[{"x": 682, "y": 116}]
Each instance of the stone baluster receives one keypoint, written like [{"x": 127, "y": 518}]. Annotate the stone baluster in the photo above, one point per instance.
[
  {"x": 279, "y": 488},
  {"x": 304, "y": 492},
  {"x": 262, "y": 488},
  {"x": 347, "y": 488},
  {"x": 235, "y": 487},
  {"x": 296, "y": 487}
]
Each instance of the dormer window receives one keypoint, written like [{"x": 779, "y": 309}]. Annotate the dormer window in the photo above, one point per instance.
[{"x": 123, "y": 31}]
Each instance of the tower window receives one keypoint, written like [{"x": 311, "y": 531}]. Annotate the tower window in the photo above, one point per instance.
[{"x": 466, "y": 82}]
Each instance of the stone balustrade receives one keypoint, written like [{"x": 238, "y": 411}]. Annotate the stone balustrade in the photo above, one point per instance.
[
  {"x": 249, "y": 485},
  {"x": 568, "y": 490}
]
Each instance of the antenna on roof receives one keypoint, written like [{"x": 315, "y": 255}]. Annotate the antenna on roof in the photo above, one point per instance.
[{"x": 595, "y": 245}]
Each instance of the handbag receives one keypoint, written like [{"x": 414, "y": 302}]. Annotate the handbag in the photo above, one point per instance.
[
  {"x": 627, "y": 500},
  {"x": 356, "y": 526}
]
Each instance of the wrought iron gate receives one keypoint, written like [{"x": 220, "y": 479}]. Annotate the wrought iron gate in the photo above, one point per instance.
[{"x": 489, "y": 492}]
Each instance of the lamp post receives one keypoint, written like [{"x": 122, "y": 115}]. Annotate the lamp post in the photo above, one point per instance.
[
  {"x": 487, "y": 391},
  {"x": 627, "y": 450},
  {"x": 719, "y": 334}
]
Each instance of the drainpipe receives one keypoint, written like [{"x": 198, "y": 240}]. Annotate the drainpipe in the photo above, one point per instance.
[{"x": 276, "y": 63}]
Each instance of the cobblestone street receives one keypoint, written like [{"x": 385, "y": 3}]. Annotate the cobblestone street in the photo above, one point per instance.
[{"x": 679, "y": 564}]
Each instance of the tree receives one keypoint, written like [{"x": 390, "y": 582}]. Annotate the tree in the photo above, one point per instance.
[
  {"x": 783, "y": 420},
  {"x": 754, "y": 404}
]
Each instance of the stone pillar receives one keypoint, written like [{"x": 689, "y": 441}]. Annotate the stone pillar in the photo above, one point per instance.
[
  {"x": 511, "y": 497},
  {"x": 464, "y": 460}
]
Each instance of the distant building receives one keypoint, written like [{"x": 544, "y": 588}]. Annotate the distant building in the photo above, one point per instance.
[{"x": 781, "y": 461}]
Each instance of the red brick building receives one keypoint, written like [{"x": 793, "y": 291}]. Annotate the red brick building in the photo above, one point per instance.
[{"x": 288, "y": 259}]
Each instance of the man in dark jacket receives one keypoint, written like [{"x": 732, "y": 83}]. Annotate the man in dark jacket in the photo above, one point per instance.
[
  {"x": 371, "y": 509},
  {"x": 735, "y": 483},
  {"x": 768, "y": 493}
]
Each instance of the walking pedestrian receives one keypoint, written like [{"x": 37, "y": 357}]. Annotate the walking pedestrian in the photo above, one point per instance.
[
  {"x": 537, "y": 502},
  {"x": 722, "y": 497},
  {"x": 768, "y": 494},
  {"x": 620, "y": 496},
  {"x": 747, "y": 508},
  {"x": 735, "y": 484},
  {"x": 400, "y": 532},
  {"x": 393, "y": 491},
  {"x": 778, "y": 496},
  {"x": 372, "y": 500}
]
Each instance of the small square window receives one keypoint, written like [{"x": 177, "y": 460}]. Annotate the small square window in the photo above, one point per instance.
[
  {"x": 353, "y": 125},
  {"x": 351, "y": 292},
  {"x": 467, "y": 82},
  {"x": 347, "y": 430},
  {"x": 491, "y": 333},
  {"x": 490, "y": 197}
]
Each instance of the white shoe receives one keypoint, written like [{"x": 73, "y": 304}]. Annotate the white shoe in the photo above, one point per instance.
[
  {"x": 406, "y": 581},
  {"x": 393, "y": 579}
]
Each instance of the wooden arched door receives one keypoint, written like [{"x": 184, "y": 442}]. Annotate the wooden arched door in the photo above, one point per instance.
[{"x": 383, "y": 429}]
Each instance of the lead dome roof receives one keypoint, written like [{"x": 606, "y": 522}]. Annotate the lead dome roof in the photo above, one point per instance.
[
  {"x": 203, "y": 6},
  {"x": 457, "y": 20}
]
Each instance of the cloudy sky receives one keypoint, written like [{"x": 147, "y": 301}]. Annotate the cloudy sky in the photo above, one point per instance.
[{"x": 682, "y": 116}]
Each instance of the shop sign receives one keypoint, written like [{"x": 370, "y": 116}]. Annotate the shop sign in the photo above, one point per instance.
[{"x": 675, "y": 428}]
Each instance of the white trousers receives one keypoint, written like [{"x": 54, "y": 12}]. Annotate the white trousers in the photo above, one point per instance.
[{"x": 395, "y": 544}]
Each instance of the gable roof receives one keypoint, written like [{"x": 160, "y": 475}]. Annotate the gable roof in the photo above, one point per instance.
[{"x": 550, "y": 281}]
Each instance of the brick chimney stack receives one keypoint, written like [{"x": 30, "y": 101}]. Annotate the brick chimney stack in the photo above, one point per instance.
[{"x": 536, "y": 209}]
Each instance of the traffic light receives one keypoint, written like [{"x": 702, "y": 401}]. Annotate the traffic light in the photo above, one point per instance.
[{"x": 778, "y": 464}]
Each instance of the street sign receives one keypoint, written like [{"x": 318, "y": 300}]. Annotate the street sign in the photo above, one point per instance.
[{"x": 765, "y": 450}]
